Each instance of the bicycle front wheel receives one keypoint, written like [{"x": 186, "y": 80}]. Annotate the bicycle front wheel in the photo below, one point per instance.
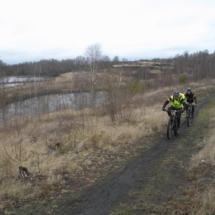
[
  {"x": 170, "y": 130},
  {"x": 175, "y": 127},
  {"x": 189, "y": 118}
]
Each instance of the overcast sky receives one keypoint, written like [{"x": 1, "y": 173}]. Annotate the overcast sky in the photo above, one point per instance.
[{"x": 31, "y": 30}]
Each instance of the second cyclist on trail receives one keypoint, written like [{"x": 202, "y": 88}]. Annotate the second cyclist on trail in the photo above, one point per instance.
[
  {"x": 191, "y": 99},
  {"x": 177, "y": 103}
]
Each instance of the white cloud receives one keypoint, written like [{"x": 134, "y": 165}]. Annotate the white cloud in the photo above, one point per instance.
[{"x": 128, "y": 28}]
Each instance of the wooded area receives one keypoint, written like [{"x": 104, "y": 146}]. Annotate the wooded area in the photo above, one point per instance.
[{"x": 200, "y": 65}]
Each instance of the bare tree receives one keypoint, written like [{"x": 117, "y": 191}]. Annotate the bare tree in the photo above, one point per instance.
[
  {"x": 93, "y": 56},
  {"x": 79, "y": 63},
  {"x": 116, "y": 59},
  {"x": 105, "y": 58}
]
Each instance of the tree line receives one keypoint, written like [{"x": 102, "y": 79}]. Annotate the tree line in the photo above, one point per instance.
[
  {"x": 199, "y": 65},
  {"x": 92, "y": 61}
]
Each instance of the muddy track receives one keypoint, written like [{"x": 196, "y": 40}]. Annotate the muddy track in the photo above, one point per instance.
[{"x": 102, "y": 199}]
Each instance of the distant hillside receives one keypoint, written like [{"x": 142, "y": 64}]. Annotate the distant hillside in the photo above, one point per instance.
[{"x": 152, "y": 66}]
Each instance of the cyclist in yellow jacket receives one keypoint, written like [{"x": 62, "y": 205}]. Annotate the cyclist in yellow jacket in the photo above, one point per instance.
[{"x": 177, "y": 103}]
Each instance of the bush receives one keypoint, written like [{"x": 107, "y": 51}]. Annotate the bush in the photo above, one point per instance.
[
  {"x": 182, "y": 79},
  {"x": 136, "y": 87}
]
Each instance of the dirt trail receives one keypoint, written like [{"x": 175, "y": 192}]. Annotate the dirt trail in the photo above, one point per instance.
[
  {"x": 142, "y": 171},
  {"x": 102, "y": 199}
]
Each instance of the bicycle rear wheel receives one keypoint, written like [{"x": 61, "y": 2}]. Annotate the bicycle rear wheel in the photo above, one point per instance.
[{"x": 170, "y": 130}]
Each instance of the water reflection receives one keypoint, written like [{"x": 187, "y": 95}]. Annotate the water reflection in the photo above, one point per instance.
[
  {"x": 11, "y": 81},
  {"x": 50, "y": 103}
]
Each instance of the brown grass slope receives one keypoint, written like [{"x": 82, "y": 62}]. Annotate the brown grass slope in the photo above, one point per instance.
[{"x": 92, "y": 148}]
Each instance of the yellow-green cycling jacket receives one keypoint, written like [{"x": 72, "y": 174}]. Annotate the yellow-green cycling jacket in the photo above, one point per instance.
[{"x": 176, "y": 103}]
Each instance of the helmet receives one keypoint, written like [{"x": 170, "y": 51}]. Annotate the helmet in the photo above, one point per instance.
[
  {"x": 176, "y": 93},
  {"x": 188, "y": 89}
]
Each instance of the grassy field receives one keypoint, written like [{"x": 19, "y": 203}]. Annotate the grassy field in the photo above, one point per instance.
[{"x": 91, "y": 145}]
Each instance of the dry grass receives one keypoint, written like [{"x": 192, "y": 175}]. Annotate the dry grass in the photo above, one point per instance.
[
  {"x": 207, "y": 154},
  {"x": 202, "y": 168},
  {"x": 78, "y": 140},
  {"x": 82, "y": 136}
]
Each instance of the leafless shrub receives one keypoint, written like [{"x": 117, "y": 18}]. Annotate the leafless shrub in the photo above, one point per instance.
[
  {"x": 166, "y": 78},
  {"x": 15, "y": 149},
  {"x": 182, "y": 78},
  {"x": 118, "y": 99}
]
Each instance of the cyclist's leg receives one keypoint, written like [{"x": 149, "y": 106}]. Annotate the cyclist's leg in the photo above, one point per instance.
[
  {"x": 193, "y": 111},
  {"x": 169, "y": 113},
  {"x": 169, "y": 108},
  {"x": 186, "y": 108}
]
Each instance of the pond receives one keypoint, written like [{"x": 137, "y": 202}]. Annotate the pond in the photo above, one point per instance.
[
  {"x": 50, "y": 103},
  {"x": 11, "y": 81}
]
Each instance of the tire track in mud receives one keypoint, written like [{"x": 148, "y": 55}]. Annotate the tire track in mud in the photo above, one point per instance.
[{"x": 102, "y": 199}]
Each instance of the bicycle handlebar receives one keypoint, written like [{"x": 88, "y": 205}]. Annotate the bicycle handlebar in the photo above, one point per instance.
[
  {"x": 177, "y": 111},
  {"x": 192, "y": 104}
]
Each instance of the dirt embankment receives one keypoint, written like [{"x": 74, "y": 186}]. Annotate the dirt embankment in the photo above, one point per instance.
[{"x": 157, "y": 182}]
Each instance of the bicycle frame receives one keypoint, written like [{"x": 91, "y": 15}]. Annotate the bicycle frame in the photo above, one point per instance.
[
  {"x": 172, "y": 126},
  {"x": 173, "y": 117}
]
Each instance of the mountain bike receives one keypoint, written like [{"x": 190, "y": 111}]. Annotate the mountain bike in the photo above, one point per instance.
[
  {"x": 172, "y": 126},
  {"x": 189, "y": 113}
]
